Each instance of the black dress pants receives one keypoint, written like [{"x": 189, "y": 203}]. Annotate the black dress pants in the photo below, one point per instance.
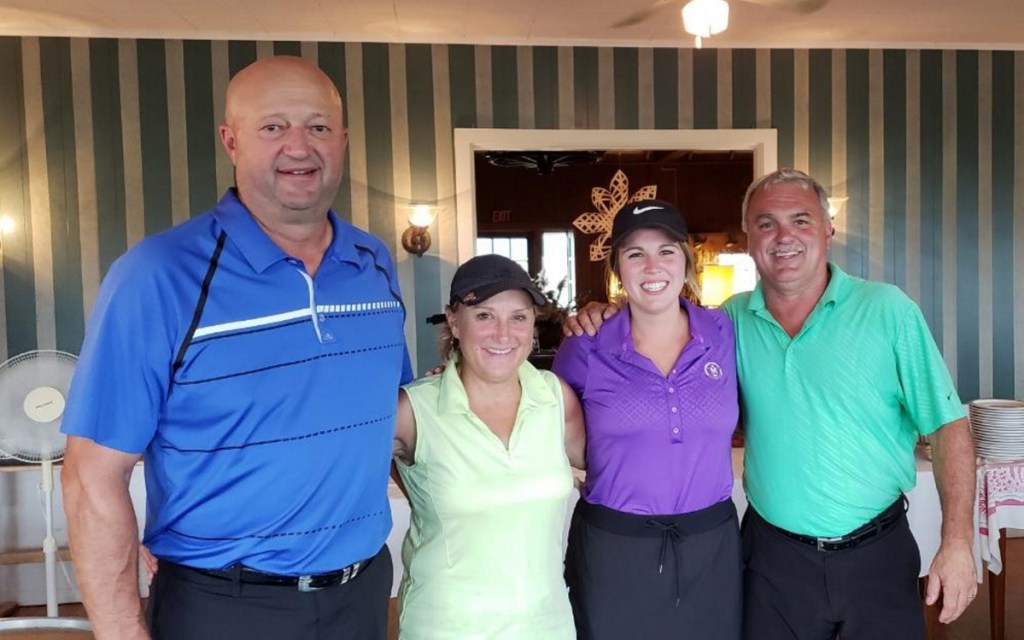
[
  {"x": 792, "y": 591},
  {"x": 186, "y": 605}
]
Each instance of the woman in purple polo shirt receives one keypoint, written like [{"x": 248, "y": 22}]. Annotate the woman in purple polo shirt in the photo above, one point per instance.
[{"x": 654, "y": 549}]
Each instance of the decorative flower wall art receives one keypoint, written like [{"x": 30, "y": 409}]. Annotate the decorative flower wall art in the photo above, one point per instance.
[{"x": 608, "y": 202}]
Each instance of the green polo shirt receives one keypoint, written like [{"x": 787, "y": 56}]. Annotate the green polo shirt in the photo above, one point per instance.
[{"x": 831, "y": 415}]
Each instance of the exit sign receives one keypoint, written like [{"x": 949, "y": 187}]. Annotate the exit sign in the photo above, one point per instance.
[{"x": 501, "y": 215}]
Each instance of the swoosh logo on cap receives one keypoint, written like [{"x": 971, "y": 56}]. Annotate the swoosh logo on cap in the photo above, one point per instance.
[{"x": 637, "y": 212}]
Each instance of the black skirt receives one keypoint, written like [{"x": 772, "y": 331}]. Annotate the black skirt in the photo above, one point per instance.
[{"x": 655, "y": 577}]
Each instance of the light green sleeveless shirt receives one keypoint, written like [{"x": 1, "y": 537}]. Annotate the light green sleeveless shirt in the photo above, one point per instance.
[{"x": 483, "y": 555}]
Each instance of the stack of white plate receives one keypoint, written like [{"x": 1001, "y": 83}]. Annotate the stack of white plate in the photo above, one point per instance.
[{"x": 998, "y": 427}]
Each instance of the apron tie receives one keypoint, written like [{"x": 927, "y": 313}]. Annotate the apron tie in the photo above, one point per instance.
[{"x": 670, "y": 537}]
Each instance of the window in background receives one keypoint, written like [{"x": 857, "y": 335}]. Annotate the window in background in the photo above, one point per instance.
[
  {"x": 515, "y": 248},
  {"x": 552, "y": 253},
  {"x": 730, "y": 273},
  {"x": 558, "y": 262},
  {"x": 744, "y": 274}
]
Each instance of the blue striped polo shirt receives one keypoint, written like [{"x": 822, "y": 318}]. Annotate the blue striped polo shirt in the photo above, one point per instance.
[{"x": 263, "y": 400}]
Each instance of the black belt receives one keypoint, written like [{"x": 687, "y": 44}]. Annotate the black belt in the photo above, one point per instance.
[
  {"x": 877, "y": 525},
  {"x": 316, "y": 582}
]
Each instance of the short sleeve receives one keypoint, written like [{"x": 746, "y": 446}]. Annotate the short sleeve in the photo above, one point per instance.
[
  {"x": 123, "y": 372},
  {"x": 927, "y": 388},
  {"x": 571, "y": 360}
]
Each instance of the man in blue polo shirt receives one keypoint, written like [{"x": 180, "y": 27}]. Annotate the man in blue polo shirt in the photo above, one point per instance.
[{"x": 252, "y": 357}]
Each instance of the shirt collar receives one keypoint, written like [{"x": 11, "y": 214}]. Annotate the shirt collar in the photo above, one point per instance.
[
  {"x": 830, "y": 296},
  {"x": 615, "y": 335},
  {"x": 256, "y": 246},
  {"x": 836, "y": 285},
  {"x": 453, "y": 397}
]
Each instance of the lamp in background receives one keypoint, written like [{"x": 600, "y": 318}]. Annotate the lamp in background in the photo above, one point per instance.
[
  {"x": 416, "y": 239},
  {"x": 705, "y": 18},
  {"x": 613, "y": 288},
  {"x": 835, "y": 206},
  {"x": 716, "y": 284}
]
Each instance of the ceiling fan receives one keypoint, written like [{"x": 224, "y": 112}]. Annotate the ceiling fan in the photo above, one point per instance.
[{"x": 708, "y": 17}]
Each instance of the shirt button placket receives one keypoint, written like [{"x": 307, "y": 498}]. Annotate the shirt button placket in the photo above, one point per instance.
[
  {"x": 326, "y": 335},
  {"x": 674, "y": 419}
]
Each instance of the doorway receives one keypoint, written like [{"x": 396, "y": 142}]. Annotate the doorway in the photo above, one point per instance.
[
  {"x": 762, "y": 143},
  {"x": 515, "y": 188}
]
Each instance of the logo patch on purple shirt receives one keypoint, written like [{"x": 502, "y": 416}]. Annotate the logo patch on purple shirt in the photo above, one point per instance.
[{"x": 713, "y": 370}]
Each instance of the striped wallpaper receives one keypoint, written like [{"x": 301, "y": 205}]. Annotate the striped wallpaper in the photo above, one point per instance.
[{"x": 105, "y": 141}]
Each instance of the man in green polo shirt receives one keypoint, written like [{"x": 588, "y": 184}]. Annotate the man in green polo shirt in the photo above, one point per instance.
[{"x": 838, "y": 377}]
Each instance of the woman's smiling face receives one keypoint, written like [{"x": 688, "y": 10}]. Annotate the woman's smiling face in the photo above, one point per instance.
[
  {"x": 652, "y": 268},
  {"x": 496, "y": 335}
]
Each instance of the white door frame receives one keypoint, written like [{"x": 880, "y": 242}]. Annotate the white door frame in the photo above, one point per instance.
[{"x": 762, "y": 142}]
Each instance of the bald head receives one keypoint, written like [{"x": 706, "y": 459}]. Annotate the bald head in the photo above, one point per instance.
[
  {"x": 284, "y": 132},
  {"x": 279, "y": 73}
]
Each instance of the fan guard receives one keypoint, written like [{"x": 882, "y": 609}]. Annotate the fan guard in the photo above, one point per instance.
[{"x": 33, "y": 388}]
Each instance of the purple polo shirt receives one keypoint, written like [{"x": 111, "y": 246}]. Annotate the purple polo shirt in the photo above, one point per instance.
[{"x": 655, "y": 444}]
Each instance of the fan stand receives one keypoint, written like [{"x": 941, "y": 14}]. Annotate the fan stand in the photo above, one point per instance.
[
  {"x": 37, "y": 624},
  {"x": 49, "y": 542},
  {"x": 51, "y": 621}
]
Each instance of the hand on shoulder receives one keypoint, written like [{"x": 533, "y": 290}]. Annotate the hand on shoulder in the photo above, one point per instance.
[{"x": 589, "y": 319}]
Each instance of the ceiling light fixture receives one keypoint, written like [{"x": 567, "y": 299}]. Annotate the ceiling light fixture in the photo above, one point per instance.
[
  {"x": 705, "y": 18},
  {"x": 543, "y": 162}
]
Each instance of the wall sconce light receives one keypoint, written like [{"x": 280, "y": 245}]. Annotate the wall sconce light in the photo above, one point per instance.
[
  {"x": 416, "y": 239},
  {"x": 731, "y": 242},
  {"x": 835, "y": 206},
  {"x": 7, "y": 225}
]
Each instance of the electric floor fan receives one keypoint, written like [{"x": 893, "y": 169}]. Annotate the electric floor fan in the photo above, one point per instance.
[{"x": 33, "y": 387}]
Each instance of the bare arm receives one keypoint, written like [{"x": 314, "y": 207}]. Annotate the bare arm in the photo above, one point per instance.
[
  {"x": 952, "y": 571},
  {"x": 104, "y": 537},
  {"x": 575, "y": 435}
]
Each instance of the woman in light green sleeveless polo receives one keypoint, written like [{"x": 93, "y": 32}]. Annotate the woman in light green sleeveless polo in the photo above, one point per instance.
[{"x": 484, "y": 451}]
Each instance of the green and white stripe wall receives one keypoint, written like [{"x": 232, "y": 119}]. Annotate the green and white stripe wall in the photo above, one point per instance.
[{"x": 106, "y": 141}]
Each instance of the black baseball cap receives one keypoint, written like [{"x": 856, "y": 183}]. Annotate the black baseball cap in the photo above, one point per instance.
[
  {"x": 484, "y": 276},
  {"x": 648, "y": 214}
]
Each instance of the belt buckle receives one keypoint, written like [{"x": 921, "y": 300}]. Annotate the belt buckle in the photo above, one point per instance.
[
  {"x": 823, "y": 541},
  {"x": 350, "y": 572},
  {"x": 306, "y": 584}
]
